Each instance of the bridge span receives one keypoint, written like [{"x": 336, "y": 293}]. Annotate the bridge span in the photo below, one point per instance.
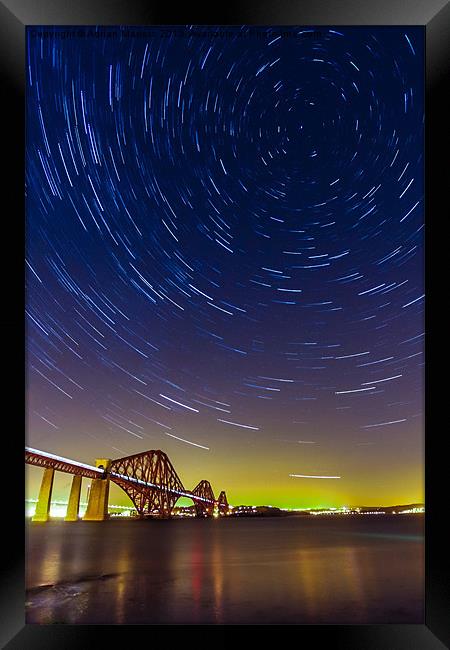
[{"x": 148, "y": 478}]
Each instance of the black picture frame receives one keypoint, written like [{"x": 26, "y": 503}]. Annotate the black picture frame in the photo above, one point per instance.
[{"x": 434, "y": 16}]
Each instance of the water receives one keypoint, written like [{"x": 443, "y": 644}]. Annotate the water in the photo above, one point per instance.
[{"x": 293, "y": 570}]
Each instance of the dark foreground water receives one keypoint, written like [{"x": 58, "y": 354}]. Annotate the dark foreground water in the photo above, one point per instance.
[{"x": 366, "y": 569}]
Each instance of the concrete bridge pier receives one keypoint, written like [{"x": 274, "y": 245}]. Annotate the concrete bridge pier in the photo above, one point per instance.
[
  {"x": 97, "y": 508},
  {"x": 74, "y": 499},
  {"x": 45, "y": 495}
]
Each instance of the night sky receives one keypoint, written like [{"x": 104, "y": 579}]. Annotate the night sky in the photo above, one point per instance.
[{"x": 224, "y": 257}]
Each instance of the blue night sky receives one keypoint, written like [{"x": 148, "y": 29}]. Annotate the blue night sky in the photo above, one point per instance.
[{"x": 224, "y": 250}]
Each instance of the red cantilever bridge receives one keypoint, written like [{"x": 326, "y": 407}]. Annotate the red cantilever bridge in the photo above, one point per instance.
[{"x": 149, "y": 479}]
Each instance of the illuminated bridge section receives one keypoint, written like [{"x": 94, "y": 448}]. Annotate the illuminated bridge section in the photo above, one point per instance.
[
  {"x": 148, "y": 478},
  {"x": 138, "y": 481},
  {"x": 153, "y": 485},
  {"x": 60, "y": 464}
]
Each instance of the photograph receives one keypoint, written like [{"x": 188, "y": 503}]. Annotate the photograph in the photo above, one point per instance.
[
  {"x": 225, "y": 294},
  {"x": 223, "y": 264}
]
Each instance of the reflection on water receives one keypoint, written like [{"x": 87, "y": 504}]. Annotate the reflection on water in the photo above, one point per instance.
[{"x": 291, "y": 570}]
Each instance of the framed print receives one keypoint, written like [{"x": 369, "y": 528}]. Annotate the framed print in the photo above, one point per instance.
[{"x": 227, "y": 285}]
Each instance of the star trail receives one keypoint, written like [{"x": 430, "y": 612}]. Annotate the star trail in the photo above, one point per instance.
[{"x": 224, "y": 256}]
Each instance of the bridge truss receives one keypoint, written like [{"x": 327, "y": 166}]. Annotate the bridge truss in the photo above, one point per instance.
[{"x": 148, "y": 478}]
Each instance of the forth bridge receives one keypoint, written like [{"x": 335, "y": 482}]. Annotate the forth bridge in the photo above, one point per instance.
[{"x": 148, "y": 478}]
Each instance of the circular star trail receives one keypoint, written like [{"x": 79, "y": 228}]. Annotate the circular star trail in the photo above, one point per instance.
[{"x": 225, "y": 255}]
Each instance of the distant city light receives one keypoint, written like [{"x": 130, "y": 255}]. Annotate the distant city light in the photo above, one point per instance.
[{"x": 58, "y": 509}]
